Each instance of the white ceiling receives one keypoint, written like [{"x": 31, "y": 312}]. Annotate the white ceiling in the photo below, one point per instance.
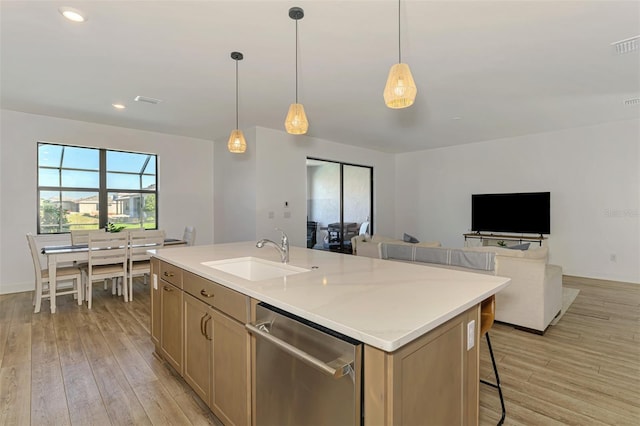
[{"x": 484, "y": 69}]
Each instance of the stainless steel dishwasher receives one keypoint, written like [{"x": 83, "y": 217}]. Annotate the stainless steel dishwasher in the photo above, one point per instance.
[{"x": 306, "y": 374}]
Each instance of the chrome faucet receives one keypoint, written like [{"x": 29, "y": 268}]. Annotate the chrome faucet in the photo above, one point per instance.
[{"x": 283, "y": 248}]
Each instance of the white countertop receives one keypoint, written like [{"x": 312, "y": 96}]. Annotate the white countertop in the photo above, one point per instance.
[{"x": 385, "y": 304}]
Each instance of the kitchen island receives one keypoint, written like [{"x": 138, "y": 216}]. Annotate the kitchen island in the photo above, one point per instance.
[{"x": 419, "y": 362}]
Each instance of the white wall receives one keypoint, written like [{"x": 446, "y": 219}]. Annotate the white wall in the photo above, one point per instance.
[
  {"x": 281, "y": 175},
  {"x": 235, "y": 191},
  {"x": 185, "y": 181},
  {"x": 593, "y": 174}
]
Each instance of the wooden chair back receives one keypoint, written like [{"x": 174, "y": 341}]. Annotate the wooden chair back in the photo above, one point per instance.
[
  {"x": 35, "y": 256},
  {"x": 141, "y": 241},
  {"x": 81, "y": 236},
  {"x": 487, "y": 314},
  {"x": 106, "y": 248}
]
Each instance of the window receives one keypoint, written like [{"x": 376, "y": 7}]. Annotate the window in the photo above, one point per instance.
[{"x": 85, "y": 188}]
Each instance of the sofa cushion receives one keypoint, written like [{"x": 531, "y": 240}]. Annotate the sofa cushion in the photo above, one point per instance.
[
  {"x": 396, "y": 251},
  {"x": 539, "y": 253},
  {"x": 428, "y": 244},
  {"x": 475, "y": 260},
  {"x": 432, "y": 255},
  {"x": 409, "y": 238}
]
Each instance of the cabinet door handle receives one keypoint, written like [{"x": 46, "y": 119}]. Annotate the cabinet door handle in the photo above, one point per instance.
[
  {"x": 202, "y": 325},
  {"x": 168, "y": 274},
  {"x": 166, "y": 288},
  {"x": 205, "y": 327},
  {"x": 205, "y": 294}
]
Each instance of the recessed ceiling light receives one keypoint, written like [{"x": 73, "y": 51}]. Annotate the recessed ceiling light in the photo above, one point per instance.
[
  {"x": 456, "y": 118},
  {"x": 72, "y": 14},
  {"x": 118, "y": 106}
]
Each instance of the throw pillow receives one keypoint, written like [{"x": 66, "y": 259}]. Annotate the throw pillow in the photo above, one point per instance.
[
  {"x": 523, "y": 246},
  {"x": 409, "y": 239}
]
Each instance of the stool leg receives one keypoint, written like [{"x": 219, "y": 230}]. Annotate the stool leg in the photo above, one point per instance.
[{"x": 497, "y": 383}]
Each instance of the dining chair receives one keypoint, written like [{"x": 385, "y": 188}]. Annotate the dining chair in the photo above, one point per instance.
[
  {"x": 43, "y": 286},
  {"x": 487, "y": 317},
  {"x": 189, "y": 235},
  {"x": 107, "y": 259},
  {"x": 139, "y": 260},
  {"x": 81, "y": 236}
]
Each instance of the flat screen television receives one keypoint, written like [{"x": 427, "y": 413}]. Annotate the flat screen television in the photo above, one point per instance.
[{"x": 525, "y": 212}]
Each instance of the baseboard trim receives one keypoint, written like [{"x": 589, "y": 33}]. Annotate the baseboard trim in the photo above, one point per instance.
[{"x": 16, "y": 287}]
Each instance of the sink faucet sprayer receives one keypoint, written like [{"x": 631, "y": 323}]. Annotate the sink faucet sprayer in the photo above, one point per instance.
[{"x": 283, "y": 248}]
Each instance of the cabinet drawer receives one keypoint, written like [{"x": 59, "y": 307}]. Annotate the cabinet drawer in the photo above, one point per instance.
[
  {"x": 220, "y": 297},
  {"x": 171, "y": 274}
]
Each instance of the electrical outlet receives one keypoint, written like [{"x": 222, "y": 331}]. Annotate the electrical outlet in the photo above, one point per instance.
[
  {"x": 271, "y": 215},
  {"x": 613, "y": 257},
  {"x": 471, "y": 334},
  {"x": 287, "y": 215}
]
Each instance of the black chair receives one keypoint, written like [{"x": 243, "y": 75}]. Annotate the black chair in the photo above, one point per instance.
[
  {"x": 311, "y": 233},
  {"x": 487, "y": 316}
]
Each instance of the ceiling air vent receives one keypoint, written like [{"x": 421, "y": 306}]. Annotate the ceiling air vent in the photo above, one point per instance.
[
  {"x": 627, "y": 45},
  {"x": 632, "y": 101},
  {"x": 147, "y": 100}
]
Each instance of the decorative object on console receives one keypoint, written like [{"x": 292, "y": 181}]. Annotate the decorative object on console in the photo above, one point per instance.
[
  {"x": 237, "y": 143},
  {"x": 296, "y": 122},
  {"x": 400, "y": 90}
]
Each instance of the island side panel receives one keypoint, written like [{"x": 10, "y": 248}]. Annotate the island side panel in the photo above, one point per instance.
[{"x": 432, "y": 380}]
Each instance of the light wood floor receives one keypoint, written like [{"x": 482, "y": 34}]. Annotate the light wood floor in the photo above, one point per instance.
[
  {"x": 584, "y": 371},
  {"x": 96, "y": 367}
]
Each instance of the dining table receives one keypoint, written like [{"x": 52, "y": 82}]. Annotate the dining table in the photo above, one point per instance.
[{"x": 75, "y": 253}]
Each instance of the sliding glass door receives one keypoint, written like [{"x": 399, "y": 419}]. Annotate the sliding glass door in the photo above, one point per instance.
[{"x": 339, "y": 204}]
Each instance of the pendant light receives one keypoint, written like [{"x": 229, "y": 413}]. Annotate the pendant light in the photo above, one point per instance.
[
  {"x": 237, "y": 144},
  {"x": 296, "y": 122},
  {"x": 401, "y": 90}
]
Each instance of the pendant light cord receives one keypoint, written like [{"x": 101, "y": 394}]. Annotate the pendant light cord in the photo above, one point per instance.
[
  {"x": 399, "y": 46},
  {"x": 237, "y": 95},
  {"x": 296, "y": 61}
]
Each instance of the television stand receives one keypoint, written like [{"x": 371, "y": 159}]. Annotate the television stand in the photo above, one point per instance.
[{"x": 492, "y": 239}]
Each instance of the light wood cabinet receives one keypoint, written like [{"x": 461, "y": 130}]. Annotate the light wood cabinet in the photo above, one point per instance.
[
  {"x": 171, "y": 324},
  {"x": 212, "y": 348},
  {"x": 432, "y": 380},
  {"x": 198, "y": 344},
  {"x": 230, "y": 392}
]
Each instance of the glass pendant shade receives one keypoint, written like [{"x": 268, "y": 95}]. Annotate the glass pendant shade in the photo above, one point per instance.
[
  {"x": 237, "y": 144},
  {"x": 296, "y": 122},
  {"x": 401, "y": 90}
]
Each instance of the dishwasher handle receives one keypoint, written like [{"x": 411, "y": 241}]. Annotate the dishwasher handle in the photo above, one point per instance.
[{"x": 342, "y": 368}]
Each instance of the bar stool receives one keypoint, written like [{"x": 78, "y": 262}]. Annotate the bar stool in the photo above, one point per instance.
[{"x": 487, "y": 316}]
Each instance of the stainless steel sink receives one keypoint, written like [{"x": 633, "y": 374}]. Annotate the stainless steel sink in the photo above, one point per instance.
[{"x": 254, "y": 268}]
